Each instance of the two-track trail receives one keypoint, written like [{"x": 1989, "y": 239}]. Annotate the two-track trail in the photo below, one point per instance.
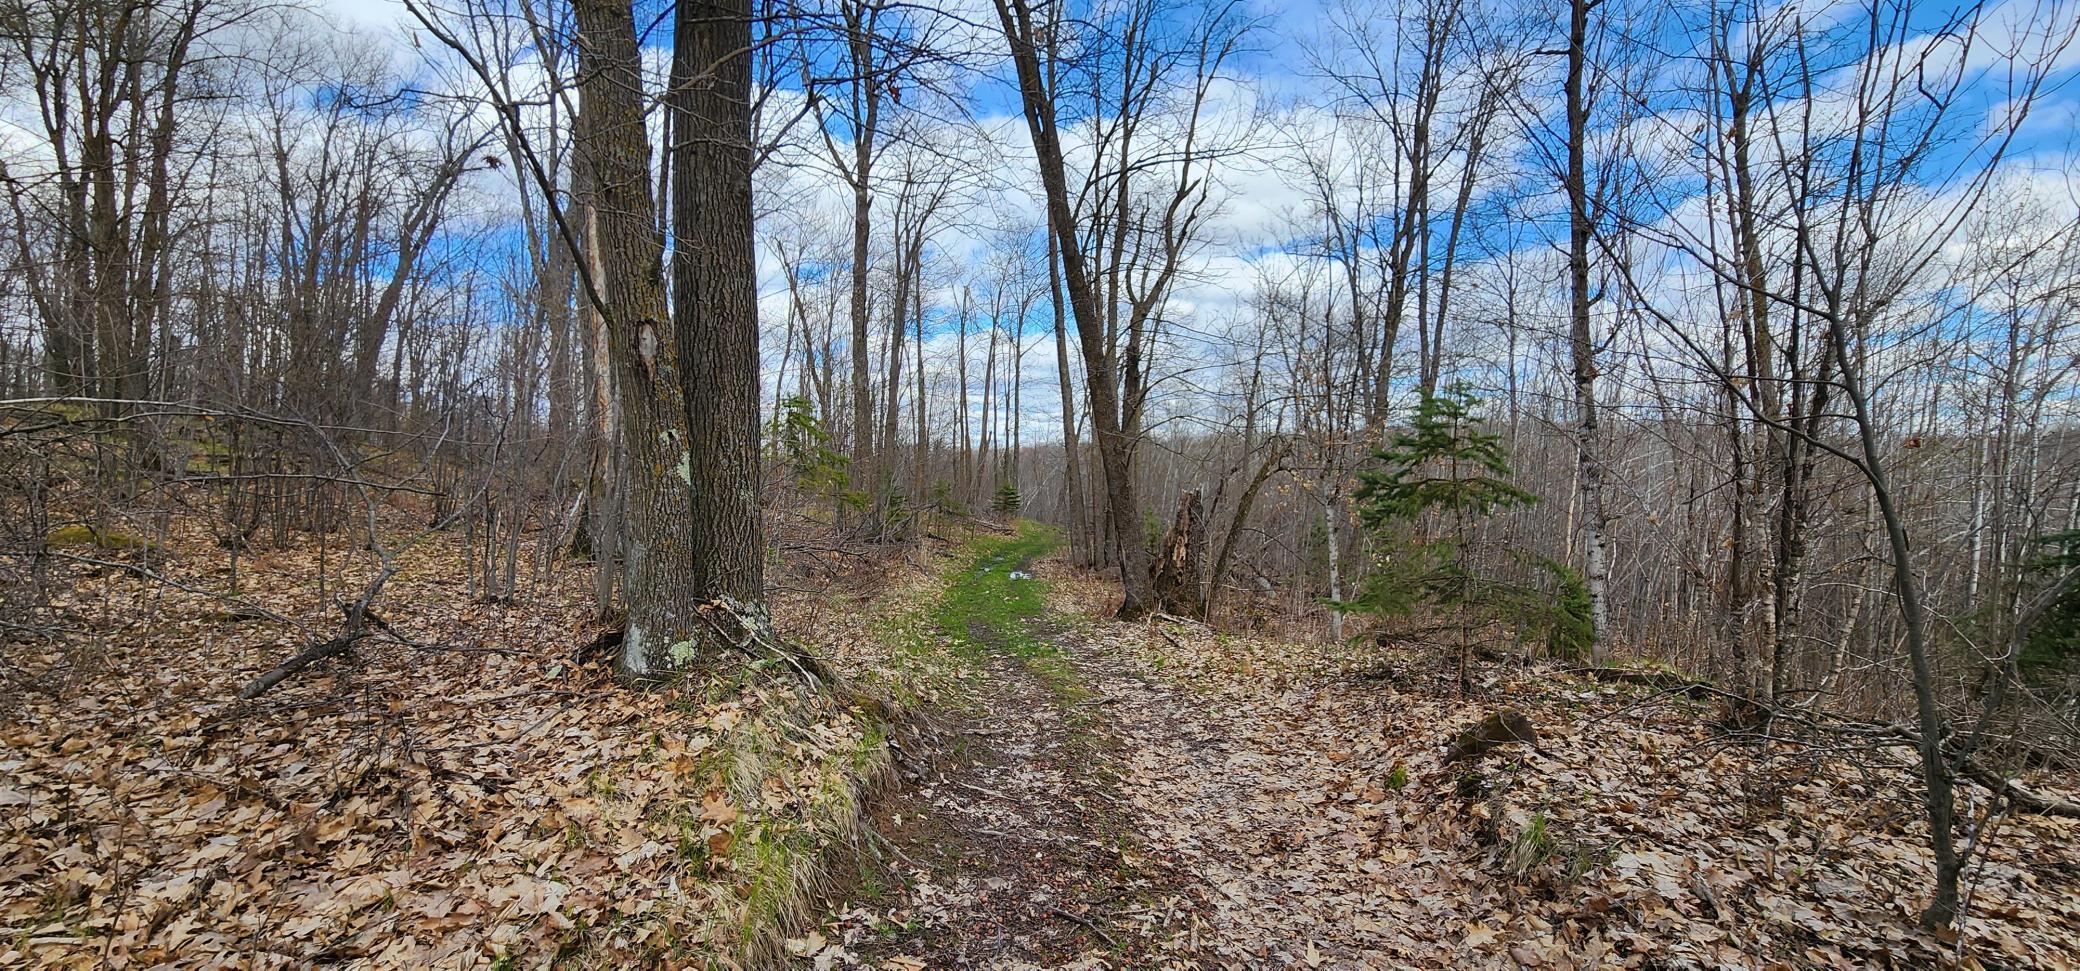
[
  {"x": 1008, "y": 840},
  {"x": 1070, "y": 811}
]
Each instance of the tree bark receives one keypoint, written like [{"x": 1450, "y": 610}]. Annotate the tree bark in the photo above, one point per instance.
[
  {"x": 659, "y": 585},
  {"x": 714, "y": 294},
  {"x": 1176, "y": 578},
  {"x": 1115, "y": 441},
  {"x": 1581, "y": 342},
  {"x": 1080, "y": 541}
]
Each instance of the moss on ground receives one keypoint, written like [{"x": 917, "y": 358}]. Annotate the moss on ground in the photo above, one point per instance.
[{"x": 83, "y": 536}]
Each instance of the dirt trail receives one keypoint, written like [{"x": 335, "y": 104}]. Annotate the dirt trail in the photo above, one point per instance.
[
  {"x": 1010, "y": 842},
  {"x": 1082, "y": 810},
  {"x": 1241, "y": 808},
  {"x": 1165, "y": 795}
]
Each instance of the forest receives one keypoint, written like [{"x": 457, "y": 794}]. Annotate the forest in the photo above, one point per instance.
[{"x": 1040, "y": 484}]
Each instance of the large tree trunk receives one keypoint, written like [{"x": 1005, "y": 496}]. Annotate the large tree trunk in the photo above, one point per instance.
[
  {"x": 866, "y": 94},
  {"x": 1115, "y": 440},
  {"x": 604, "y": 507},
  {"x": 660, "y": 585},
  {"x": 715, "y": 295}
]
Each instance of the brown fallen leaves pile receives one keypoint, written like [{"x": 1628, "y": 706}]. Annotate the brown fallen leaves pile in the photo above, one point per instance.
[
  {"x": 484, "y": 794},
  {"x": 1313, "y": 803}
]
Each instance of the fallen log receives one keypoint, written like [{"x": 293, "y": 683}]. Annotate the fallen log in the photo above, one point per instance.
[
  {"x": 1964, "y": 766},
  {"x": 2036, "y": 802},
  {"x": 308, "y": 657}
]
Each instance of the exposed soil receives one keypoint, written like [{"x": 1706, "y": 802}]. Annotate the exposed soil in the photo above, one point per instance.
[{"x": 1008, "y": 844}]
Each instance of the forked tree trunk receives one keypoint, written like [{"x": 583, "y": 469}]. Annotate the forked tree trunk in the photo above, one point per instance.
[
  {"x": 1110, "y": 415},
  {"x": 715, "y": 296}
]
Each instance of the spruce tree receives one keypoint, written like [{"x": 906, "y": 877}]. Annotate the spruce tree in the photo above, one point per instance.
[
  {"x": 1437, "y": 481},
  {"x": 1007, "y": 500}
]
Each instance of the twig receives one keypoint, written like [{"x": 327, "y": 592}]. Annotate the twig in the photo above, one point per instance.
[
  {"x": 753, "y": 634},
  {"x": 978, "y": 790},
  {"x": 1095, "y": 929},
  {"x": 1176, "y": 619},
  {"x": 892, "y": 847}
]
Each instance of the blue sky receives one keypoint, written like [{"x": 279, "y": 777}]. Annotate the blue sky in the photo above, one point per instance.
[{"x": 1263, "y": 225}]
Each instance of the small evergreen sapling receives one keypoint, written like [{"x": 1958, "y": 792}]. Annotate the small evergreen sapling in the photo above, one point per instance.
[
  {"x": 800, "y": 442},
  {"x": 1439, "y": 479},
  {"x": 2051, "y": 647},
  {"x": 1007, "y": 500}
]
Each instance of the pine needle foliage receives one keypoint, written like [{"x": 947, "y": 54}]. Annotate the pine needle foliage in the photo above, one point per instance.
[
  {"x": 1007, "y": 500},
  {"x": 1437, "y": 481},
  {"x": 1559, "y": 611},
  {"x": 2052, "y": 647},
  {"x": 1443, "y": 464},
  {"x": 802, "y": 445}
]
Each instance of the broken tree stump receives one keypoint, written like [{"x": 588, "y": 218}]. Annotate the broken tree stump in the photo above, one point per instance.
[
  {"x": 1175, "y": 578},
  {"x": 1500, "y": 728}
]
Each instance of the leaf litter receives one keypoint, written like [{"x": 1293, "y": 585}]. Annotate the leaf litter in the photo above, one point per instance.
[
  {"x": 1305, "y": 816},
  {"x": 1106, "y": 795},
  {"x": 484, "y": 795}
]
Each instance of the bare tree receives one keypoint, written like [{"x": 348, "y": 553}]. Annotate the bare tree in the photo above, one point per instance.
[
  {"x": 1103, "y": 277},
  {"x": 1581, "y": 227}
]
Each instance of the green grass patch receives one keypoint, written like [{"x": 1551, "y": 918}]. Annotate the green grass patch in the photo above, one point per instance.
[
  {"x": 994, "y": 602},
  {"x": 985, "y": 606}
]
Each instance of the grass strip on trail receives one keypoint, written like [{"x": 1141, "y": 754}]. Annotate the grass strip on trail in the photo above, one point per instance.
[{"x": 986, "y": 607}]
